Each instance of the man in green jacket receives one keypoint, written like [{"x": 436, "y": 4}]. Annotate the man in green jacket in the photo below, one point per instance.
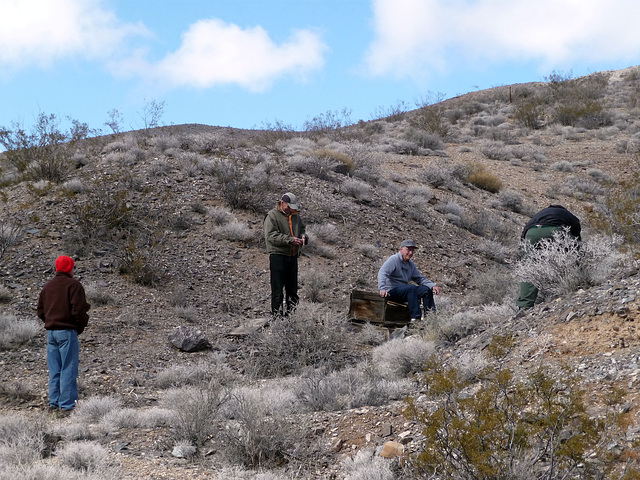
[{"x": 284, "y": 234}]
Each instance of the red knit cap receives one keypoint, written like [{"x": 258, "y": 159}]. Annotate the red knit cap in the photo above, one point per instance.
[{"x": 64, "y": 264}]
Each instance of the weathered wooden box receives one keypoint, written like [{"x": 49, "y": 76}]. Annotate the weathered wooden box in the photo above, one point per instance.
[{"x": 371, "y": 307}]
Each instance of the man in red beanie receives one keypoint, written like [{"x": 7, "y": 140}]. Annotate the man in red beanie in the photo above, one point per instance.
[{"x": 63, "y": 307}]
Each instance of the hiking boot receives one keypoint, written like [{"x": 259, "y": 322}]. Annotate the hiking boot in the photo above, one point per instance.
[
  {"x": 520, "y": 313},
  {"x": 53, "y": 409},
  {"x": 62, "y": 413}
]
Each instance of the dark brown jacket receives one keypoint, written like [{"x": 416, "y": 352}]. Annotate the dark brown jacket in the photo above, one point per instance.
[{"x": 62, "y": 304}]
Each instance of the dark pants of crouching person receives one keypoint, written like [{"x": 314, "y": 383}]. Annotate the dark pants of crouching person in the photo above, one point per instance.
[
  {"x": 528, "y": 291},
  {"x": 284, "y": 275},
  {"x": 411, "y": 295}
]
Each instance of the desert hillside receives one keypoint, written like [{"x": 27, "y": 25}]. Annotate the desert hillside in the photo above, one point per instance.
[{"x": 165, "y": 226}]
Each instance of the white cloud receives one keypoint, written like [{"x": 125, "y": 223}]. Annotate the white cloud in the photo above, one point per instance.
[
  {"x": 40, "y": 32},
  {"x": 417, "y": 37},
  {"x": 214, "y": 52}
]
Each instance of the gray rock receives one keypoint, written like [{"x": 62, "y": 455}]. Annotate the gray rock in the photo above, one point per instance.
[
  {"x": 189, "y": 339},
  {"x": 183, "y": 451}
]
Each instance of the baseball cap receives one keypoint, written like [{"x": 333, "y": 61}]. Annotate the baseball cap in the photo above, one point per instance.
[
  {"x": 291, "y": 199},
  {"x": 408, "y": 243}
]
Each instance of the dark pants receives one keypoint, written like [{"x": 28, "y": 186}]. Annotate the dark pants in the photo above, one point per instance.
[
  {"x": 411, "y": 294},
  {"x": 528, "y": 291},
  {"x": 284, "y": 275}
]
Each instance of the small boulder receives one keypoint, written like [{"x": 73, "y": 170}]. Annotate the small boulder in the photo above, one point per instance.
[
  {"x": 392, "y": 449},
  {"x": 188, "y": 339}
]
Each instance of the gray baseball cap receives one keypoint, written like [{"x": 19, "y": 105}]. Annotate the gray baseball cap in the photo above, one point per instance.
[
  {"x": 408, "y": 243},
  {"x": 291, "y": 199}
]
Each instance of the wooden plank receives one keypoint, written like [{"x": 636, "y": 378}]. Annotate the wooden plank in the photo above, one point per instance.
[
  {"x": 371, "y": 307},
  {"x": 252, "y": 325}
]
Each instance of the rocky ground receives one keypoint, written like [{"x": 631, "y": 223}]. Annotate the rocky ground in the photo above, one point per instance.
[{"x": 225, "y": 283}]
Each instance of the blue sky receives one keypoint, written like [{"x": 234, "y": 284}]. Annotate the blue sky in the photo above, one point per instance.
[{"x": 246, "y": 63}]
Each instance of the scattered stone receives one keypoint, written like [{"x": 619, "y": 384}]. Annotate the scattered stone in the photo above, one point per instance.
[
  {"x": 188, "y": 339},
  {"x": 392, "y": 449},
  {"x": 183, "y": 451},
  {"x": 387, "y": 430},
  {"x": 337, "y": 445}
]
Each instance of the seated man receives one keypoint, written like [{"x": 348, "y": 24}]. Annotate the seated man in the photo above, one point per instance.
[{"x": 394, "y": 277}]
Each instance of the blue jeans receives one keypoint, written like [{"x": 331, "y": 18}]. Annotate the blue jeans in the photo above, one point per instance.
[
  {"x": 63, "y": 356},
  {"x": 412, "y": 294}
]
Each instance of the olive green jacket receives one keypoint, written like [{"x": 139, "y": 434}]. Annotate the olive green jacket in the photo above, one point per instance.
[{"x": 279, "y": 230}]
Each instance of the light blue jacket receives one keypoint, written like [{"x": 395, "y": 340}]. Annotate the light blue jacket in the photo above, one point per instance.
[{"x": 395, "y": 272}]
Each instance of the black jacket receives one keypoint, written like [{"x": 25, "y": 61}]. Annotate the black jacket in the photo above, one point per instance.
[{"x": 555, "y": 216}]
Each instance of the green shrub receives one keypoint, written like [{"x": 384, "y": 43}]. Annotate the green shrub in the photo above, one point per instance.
[
  {"x": 530, "y": 113},
  {"x": 511, "y": 426}
]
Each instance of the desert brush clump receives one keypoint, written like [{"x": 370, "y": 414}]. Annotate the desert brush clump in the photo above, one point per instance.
[
  {"x": 401, "y": 356},
  {"x": 366, "y": 465},
  {"x": 326, "y": 232},
  {"x": 619, "y": 212},
  {"x": 93, "y": 409},
  {"x": 308, "y": 337},
  {"x": 480, "y": 176},
  {"x": 45, "y": 152},
  {"x": 497, "y": 425},
  {"x": 99, "y": 295},
  {"x": 561, "y": 265},
  {"x": 357, "y": 189},
  {"x": 313, "y": 283},
  {"x": 511, "y": 200},
  {"x": 10, "y": 235},
  {"x": 214, "y": 366},
  {"x": 85, "y": 456},
  {"x": 351, "y": 387},
  {"x": 257, "y": 435},
  {"x": 241, "y": 188},
  {"x": 23, "y": 440},
  {"x": 322, "y": 163},
  {"x": 15, "y": 332},
  {"x": 138, "y": 260},
  {"x": 235, "y": 232},
  {"x": 451, "y": 326},
  {"x": 195, "y": 410}
]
